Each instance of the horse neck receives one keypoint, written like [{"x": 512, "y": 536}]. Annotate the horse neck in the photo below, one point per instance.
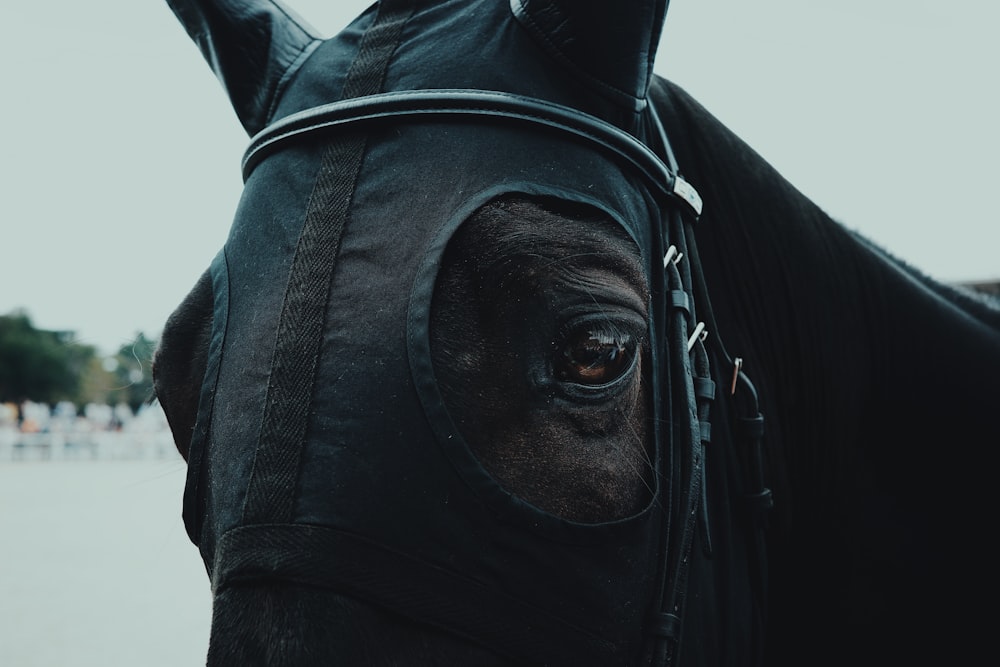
[{"x": 855, "y": 354}]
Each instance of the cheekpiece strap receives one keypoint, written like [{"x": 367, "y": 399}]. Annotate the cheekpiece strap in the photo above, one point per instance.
[
  {"x": 665, "y": 626},
  {"x": 680, "y": 300}
]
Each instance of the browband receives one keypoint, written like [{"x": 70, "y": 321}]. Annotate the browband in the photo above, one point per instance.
[{"x": 478, "y": 103}]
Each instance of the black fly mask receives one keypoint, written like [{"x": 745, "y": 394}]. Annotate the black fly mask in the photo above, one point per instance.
[{"x": 324, "y": 453}]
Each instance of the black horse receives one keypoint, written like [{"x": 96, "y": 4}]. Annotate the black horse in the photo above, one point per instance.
[{"x": 481, "y": 374}]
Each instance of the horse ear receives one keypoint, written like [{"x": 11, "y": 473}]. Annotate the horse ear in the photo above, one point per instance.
[
  {"x": 610, "y": 44},
  {"x": 252, "y": 45}
]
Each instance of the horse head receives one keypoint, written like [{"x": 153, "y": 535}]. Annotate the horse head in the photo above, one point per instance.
[
  {"x": 445, "y": 394},
  {"x": 431, "y": 329}
]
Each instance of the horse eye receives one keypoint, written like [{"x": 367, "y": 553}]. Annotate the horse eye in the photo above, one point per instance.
[{"x": 592, "y": 357}]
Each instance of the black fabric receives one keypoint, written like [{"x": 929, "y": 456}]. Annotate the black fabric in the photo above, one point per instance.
[
  {"x": 576, "y": 33},
  {"x": 194, "y": 506},
  {"x": 326, "y": 453},
  {"x": 327, "y": 557},
  {"x": 254, "y": 46},
  {"x": 271, "y": 494}
]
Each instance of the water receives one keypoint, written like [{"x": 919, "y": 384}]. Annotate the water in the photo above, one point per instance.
[{"x": 95, "y": 566}]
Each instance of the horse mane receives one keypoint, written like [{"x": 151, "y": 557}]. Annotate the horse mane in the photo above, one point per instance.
[
  {"x": 982, "y": 306},
  {"x": 728, "y": 172}
]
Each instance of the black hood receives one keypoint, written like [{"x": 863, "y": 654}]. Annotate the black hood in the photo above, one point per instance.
[{"x": 324, "y": 453}]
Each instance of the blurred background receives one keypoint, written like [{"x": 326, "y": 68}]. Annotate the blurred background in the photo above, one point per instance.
[{"x": 120, "y": 175}]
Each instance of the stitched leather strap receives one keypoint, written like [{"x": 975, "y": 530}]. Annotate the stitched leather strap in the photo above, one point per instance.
[{"x": 447, "y": 105}]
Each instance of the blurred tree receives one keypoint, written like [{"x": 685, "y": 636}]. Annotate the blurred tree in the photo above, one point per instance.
[
  {"x": 48, "y": 366},
  {"x": 96, "y": 383},
  {"x": 39, "y": 365}
]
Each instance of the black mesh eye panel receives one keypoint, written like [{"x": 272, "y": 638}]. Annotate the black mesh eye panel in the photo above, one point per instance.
[{"x": 515, "y": 276}]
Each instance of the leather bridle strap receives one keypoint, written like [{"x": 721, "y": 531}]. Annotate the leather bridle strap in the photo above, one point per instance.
[
  {"x": 452, "y": 105},
  {"x": 351, "y": 565}
]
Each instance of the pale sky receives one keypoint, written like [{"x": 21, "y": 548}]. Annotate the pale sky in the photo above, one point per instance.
[{"x": 120, "y": 159}]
